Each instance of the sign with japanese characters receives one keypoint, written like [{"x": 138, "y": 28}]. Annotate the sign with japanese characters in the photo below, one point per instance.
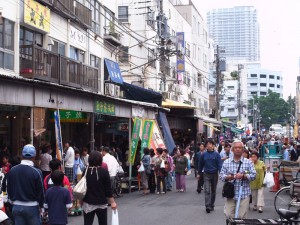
[
  {"x": 37, "y": 15},
  {"x": 70, "y": 116},
  {"x": 157, "y": 140},
  {"x": 114, "y": 71},
  {"x": 180, "y": 65},
  {"x": 77, "y": 37},
  {"x": 137, "y": 124},
  {"x": 106, "y": 108},
  {"x": 147, "y": 134}
]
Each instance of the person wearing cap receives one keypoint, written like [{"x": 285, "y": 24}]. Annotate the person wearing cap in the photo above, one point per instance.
[{"x": 25, "y": 189}]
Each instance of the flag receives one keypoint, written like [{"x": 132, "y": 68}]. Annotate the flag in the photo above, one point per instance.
[{"x": 59, "y": 147}]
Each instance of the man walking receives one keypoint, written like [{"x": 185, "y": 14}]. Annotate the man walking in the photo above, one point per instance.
[
  {"x": 210, "y": 162},
  {"x": 240, "y": 171},
  {"x": 25, "y": 189},
  {"x": 112, "y": 165},
  {"x": 69, "y": 161}
]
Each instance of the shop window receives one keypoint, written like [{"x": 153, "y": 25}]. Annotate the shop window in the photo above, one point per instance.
[
  {"x": 7, "y": 44},
  {"x": 58, "y": 47},
  {"x": 29, "y": 37}
]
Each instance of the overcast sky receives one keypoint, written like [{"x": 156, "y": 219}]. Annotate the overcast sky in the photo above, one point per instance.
[{"x": 279, "y": 22}]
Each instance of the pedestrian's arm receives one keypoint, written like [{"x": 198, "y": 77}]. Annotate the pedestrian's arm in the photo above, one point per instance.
[
  {"x": 224, "y": 172},
  {"x": 219, "y": 161},
  {"x": 251, "y": 175},
  {"x": 201, "y": 163},
  {"x": 40, "y": 189},
  {"x": 68, "y": 201},
  {"x": 68, "y": 155}
]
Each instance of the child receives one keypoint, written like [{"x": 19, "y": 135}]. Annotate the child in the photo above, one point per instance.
[
  {"x": 77, "y": 164},
  {"x": 5, "y": 165},
  {"x": 57, "y": 200}
]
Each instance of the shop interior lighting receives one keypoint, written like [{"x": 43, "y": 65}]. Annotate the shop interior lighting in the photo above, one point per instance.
[{"x": 15, "y": 117}]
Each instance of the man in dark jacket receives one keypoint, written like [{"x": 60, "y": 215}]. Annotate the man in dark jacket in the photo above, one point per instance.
[{"x": 25, "y": 189}]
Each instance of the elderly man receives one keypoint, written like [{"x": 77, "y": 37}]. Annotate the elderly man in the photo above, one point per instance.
[{"x": 240, "y": 171}]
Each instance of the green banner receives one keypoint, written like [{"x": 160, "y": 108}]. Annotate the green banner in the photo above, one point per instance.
[
  {"x": 70, "y": 116},
  {"x": 107, "y": 108},
  {"x": 135, "y": 138},
  {"x": 147, "y": 133}
]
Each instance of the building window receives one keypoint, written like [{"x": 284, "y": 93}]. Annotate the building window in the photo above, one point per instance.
[
  {"x": 151, "y": 58},
  {"x": 263, "y": 76},
  {"x": 222, "y": 108},
  {"x": 58, "y": 47},
  {"x": 263, "y": 84},
  {"x": 123, "y": 55},
  {"x": 109, "y": 21},
  {"x": 29, "y": 37},
  {"x": 188, "y": 50},
  {"x": 230, "y": 87},
  {"x": 194, "y": 51},
  {"x": 199, "y": 81},
  {"x": 199, "y": 29},
  {"x": 204, "y": 60},
  {"x": 230, "y": 110},
  {"x": 123, "y": 13},
  {"x": 253, "y": 75},
  {"x": 271, "y": 76},
  {"x": 95, "y": 61},
  {"x": 278, "y": 86},
  {"x": 95, "y": 7},
  {"x": 199, "y": 54},
  {"x": 253, "y": 93},
  {"x": 150, "y": 18},
  {"x": 263, "y": 93},
  {"x": 231, "y": 98},
  {"x": 77, "y": 54},
  {"x": 278, "y": 78},
  {"x": 271, "y": 85},
  {"x": 7, "y": 44},
  {"x": 253, "y": 84}
]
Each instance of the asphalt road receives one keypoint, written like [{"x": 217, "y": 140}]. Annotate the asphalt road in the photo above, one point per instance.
[{"x": 176, "y": 208}]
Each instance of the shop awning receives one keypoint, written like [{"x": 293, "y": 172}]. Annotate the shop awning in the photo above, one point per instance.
[
  {"x": 167, "y": 132},
  {"x": 174, "y": 104},
  {"x": 211, "y": 120},
  {"x": 137, "y": 93},
  {"x": 234, "y": 129},
  {"x": 211, "y": 126},
  {"x": 113, "y": 71}
]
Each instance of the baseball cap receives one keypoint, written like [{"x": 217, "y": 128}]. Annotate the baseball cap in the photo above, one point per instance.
[{"x": 28, "y": 151}]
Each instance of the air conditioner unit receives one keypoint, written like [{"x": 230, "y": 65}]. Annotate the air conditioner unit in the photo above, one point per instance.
[
  {"x": 109, "y": 89},
  {"x": 117, "y": 91}
]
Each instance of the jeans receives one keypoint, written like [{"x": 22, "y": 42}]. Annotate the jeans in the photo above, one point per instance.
[
  {"x": 26, "y": 215},
  {"x": 210, "y": 186},
  {"x": 169, "y": 180},
  {"x": 200, "y": 182},
  {"x": 159, "y": 180},
  {"x": 101, "y": 214}
]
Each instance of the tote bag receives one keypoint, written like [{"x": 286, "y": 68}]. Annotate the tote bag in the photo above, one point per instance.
[
  {"x": 114, "y": 217},
  {"x": 80, "y": 188}
]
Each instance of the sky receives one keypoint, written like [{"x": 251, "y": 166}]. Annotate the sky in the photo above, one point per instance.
[{"x": 279, "y": 22}]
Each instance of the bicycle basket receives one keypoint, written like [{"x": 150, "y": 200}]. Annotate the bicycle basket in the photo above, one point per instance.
[{"x": 295, "y": 189}]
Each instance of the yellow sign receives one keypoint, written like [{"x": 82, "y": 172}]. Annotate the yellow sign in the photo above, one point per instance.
[
  {"x": 296, "y": 130},
  {"x": 37, "y": 15}
]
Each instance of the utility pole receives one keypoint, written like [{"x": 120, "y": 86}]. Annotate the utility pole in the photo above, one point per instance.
[
  {"x": 218, "y": 75},
  {"x": 239, "y": 103}
]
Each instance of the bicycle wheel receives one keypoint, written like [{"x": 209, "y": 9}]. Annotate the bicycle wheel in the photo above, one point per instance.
[
  {"x": 283, "y": 200},
  {"x": 118, "y": 186}
]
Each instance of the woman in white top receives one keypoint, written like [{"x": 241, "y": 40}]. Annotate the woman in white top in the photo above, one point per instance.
[{"x": 45, "y": 159}]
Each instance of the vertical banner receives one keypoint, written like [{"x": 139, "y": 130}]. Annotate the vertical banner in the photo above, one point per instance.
[
  {"x": 135, "y": 138},
  {"x": 180, "y": 64},
  {"x": 147, "y": 134},
  {"x": 59, "y": 147},
  {"x": 296, "y": 130},
  {"x": 157, "y": 140}
]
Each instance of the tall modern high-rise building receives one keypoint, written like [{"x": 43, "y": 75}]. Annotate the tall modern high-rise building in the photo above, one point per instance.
[{"x": 237, "y": 31}]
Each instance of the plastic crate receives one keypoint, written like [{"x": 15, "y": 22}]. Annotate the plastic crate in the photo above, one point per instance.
[{"x": 255, "y": 222}]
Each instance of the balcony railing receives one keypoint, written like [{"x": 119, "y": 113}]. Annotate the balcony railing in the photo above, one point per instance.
[
  {"x": 41, "y": 64},
  {"x": 111, "y": 35}
]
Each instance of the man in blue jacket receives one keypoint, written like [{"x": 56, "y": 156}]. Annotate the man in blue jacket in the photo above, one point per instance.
[
  {"x": 211, "y": 164},
  {"x": 25, "y": 189}
]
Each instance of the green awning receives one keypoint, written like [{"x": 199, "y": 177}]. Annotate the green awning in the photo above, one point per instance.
[{"x": 234, "y": 129}]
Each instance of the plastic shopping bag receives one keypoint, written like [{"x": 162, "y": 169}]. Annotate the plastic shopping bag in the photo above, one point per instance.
[
  {"x": 115, "y": 217},
  {"x": 142, "y": 168},
  {"x": 269, "y": 180}
]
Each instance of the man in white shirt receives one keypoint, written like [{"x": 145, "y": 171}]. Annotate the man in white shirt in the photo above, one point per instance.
[
  {"x": 69, "y": 161},
  {"x": 112, "y": 164}
]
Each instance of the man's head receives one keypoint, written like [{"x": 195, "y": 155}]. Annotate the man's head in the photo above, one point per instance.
[
  {"x": 165, "y": 152},
  {"x": 67, "y": 144},
  {"x": 57, "y": 177},
  {"x": 227, "y": 147},
  {"x": 223, "y": 143},
  {"x": 159, "y": 151},
  {"x": 55, "y": 164},
  {"x": 77, "y": 154},
  {"x": 105, "y": 150},
  {"x": 237, "y": 148},
  {"x": 210, "y": 144},
  {"x": 28, "y": 152}
]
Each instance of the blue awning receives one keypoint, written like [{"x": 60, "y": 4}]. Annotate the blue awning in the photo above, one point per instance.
[
  {"x": 113, "y": 71},
  {"x": 167, "y": 132}
]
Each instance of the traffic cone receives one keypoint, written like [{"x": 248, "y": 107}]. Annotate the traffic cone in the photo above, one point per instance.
[{"x": 276, "y": 186}]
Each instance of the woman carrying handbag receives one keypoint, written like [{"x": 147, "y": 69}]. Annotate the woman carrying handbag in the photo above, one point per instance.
[{"x": 98, "y": 191}]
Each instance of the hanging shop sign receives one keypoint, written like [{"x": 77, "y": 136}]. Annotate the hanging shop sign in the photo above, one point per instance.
[
  {"x": 106, "y": 108},
  {"x": 138, "y": 111},
  {"x": 180, "y": 65},
  {"x": 114, "y": 71},
  {"x": 146, "y": 134},
  {"x": 137, "y": 124},
  {"x": 37, "y": 15},
  {"x": 69, "y": 116},
  {"x": 157, "y": 140}
]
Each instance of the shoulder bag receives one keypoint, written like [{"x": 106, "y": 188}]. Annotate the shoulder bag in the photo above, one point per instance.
[
  {"x": 228, "y": 188},
  {"x": 80, "y": 188}
]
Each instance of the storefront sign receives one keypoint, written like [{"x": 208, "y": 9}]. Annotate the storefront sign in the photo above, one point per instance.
[
  {"x": 58, "y": 138},
  {"x": 107, "y": 108},
  {"x": 37, "y": 15},
  {"x": 135, "y": 138},
  {"x": 77, "y": 37},
  {"x": 138, "y": 111},
  {"x": 70, "y": 116},
  {"x": 180, "y": 65},
  {"x": 114, "y": 71},
  {"x": 157, "y": 140},
  {"x": 147, "y": 133}
]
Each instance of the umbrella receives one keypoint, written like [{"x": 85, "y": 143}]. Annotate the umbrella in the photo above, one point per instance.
[{"x": 238, "y": 201}]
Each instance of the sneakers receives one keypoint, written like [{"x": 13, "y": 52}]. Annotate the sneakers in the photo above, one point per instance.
[
  {"x": 208, "y": 210},
  {"x": 158, "y": 193},
  {"x": 163, "y": 192},
  {"x": 260, "y": 209}
]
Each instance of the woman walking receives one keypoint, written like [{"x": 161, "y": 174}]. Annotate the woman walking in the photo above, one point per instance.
[
  {"x": 45, "y": 160},
  {"x": 256, "y": 185},
  {"x": 151, "y": 176},
  {"x": 98, "y": 191},
  {"x": 181, "y": 164},
  {"x": 147, "y": 170}
]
